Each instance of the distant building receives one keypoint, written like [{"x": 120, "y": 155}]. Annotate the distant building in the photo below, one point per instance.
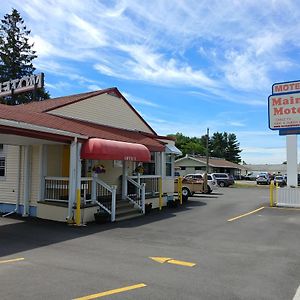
[
  {"x": 270, "y": 168},
  {"x": 197, "y": 164}
]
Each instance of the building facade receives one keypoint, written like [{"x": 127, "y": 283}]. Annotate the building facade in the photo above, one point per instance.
[{"x": 81, "y": 154}]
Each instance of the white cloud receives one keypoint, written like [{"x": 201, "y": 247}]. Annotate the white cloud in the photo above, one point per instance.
[{"x": 139, "y": 100}]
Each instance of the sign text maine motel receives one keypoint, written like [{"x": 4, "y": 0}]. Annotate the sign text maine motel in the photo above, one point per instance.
[
  {"x": 24, "y": 84},
  {"x": 284, "y": 106}
]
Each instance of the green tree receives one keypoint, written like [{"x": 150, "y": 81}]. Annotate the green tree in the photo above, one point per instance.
[
  {"x": 233, "y": 150},
  {"x": 188, "y": 145},
  {"x": 222, "y": 145},
  {"x": 16, "y": 56},
  {"x": 218, "y": 144}
]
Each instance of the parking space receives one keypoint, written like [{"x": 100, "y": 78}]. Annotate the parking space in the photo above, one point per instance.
[{"x": 255, "y": 256}]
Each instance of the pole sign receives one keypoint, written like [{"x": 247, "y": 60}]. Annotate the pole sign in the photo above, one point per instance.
[
  {"x": 284, "y": 107},
  {"x": 24, "y": 84}
]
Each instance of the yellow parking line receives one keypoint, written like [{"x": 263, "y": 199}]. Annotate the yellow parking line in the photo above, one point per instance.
[
  {"x": 181, "y": 263},
  {"x": 11, "y": 260},
  {"x": 111, "y": 292},
  {"x": 247, "y": 214}
]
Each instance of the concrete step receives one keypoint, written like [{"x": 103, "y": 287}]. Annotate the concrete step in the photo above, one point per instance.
[
  {"x": 128, "y": 215},
  {"x": 126, "y": 210}
]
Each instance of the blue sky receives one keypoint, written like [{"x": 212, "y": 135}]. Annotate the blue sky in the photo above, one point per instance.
[{"x": 185, "y": 65}]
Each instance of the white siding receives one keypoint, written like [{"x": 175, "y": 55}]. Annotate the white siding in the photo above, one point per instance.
[
  {"x": 106, "y": 110},
  {"x": 8, "y": 184}
]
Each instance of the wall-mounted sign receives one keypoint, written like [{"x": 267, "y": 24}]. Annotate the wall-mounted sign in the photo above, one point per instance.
[
  {"x": 284, "y": 111},
  {"x": 24, "y": 84},
  {"x": 286, "y": 87}
]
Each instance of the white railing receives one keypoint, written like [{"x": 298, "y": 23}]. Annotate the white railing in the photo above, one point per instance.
[
  {"x": 105, "y": 196},
  {"x": 56, "y": 189},
  {"x": 92, "y": 190},
  {"x": 287, "y": 197},
  {"x": 138, "y": 198},
  {"x": 151, "y": 182}
]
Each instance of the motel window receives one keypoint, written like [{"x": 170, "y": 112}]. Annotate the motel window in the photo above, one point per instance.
[{"x": 169, "y": 164}]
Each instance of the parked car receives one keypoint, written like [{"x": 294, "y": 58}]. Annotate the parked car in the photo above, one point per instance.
[
  {"x": 211, "y": 182},
  {"x": 223, "y": 179},
  {"x": 251, "y": 176},
  {"x": 263, "y": 178},
  {"x": 280, "y": 180}
]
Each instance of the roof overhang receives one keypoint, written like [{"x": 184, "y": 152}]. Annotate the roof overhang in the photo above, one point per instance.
[
  {"x": 101, "y": 149},
  {"x": 172, "y": 149}
]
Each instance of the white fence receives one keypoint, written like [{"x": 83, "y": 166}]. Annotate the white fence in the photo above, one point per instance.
[{"x": 287, "y": 197}]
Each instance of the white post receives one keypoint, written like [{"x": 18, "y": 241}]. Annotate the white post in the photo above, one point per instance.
[
  {"x": 143, "y": 197},
  {"x": 94, "y": 188},
  {"x": 124, "y": 180},
  {"x": 139, "y": 183},
  {"x": 292, "y": 157},
  {"x": 27, "y": 180},
  {"x": 113, "y": 203},
  {"x": 43, "y": 170},
  {"x": 72, "y": 179}
]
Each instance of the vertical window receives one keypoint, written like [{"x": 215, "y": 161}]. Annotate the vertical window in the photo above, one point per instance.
[
  {"x": 169, "y": 164},
  {"x": 2, "y": 166}
]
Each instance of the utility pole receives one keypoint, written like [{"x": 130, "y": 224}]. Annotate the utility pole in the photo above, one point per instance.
[
  {"x": 207, "y": 162},
  {"x": 207, "y": 151}
]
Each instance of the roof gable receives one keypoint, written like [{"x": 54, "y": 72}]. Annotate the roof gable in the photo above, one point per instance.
[{"x": 105, "y": 107}]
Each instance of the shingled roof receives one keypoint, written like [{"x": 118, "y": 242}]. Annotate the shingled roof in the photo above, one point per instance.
[{"x": 35, "y": 113}]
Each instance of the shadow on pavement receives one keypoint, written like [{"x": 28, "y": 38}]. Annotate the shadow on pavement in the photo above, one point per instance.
[{"x": 18, "y": 234}]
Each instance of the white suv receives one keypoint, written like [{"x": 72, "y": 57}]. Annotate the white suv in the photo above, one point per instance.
[{"x": 211, "y": 182}]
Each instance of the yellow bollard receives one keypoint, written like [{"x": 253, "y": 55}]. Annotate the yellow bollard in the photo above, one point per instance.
[
  {"x": 78, "y": 202},
  {"x": 179, "y": 188},
  {"x": 271, "y": 194},
  {"x": 160, "y": 192}
]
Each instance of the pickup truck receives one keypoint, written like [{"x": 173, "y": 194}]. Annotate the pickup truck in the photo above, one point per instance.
[{"x": 190, "y": 186}]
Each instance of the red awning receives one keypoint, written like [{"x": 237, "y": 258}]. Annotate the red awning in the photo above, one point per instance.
[{"x": 100, "y": 149}]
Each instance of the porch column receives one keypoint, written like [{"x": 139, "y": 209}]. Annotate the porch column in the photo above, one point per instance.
[
  {"x": 124, "y": 180},
  {"x": 72, "y": 179},
  {"x": 43, "y": 170},
  {"x": 27, "y": 180},
  {"x": 292, "y": 157}
]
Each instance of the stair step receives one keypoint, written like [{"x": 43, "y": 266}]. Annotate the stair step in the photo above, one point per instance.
[
  {"x": 131, "y": 215},
  {"x": 125, "y": 209},
  {"x": 120, "y": 204}
]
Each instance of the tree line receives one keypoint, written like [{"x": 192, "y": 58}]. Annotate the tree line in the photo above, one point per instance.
[{"x": 220, "y": 144}]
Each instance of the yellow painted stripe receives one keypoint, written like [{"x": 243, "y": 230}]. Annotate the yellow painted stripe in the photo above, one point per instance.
[
  {"x": 181, "y": 263},
  {"x": 11, "y": 260},
  {"x": 111, "y": 292},
  {"x": 247, "y": 214}
]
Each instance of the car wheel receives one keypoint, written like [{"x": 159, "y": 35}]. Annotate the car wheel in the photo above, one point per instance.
[
  {"x": 208, "y": 190},
  {"x": 185, "y": 194},
  {"x": 221, "y": 183}
]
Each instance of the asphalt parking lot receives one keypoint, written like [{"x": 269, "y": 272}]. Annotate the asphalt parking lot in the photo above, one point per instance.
[{"x": 227, "y": 245}]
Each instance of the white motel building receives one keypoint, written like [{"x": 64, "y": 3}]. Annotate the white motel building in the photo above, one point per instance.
[{"x": 91, "y": 148}]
